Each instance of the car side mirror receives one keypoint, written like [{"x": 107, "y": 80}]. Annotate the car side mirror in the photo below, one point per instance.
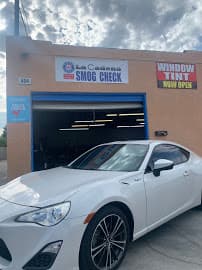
[{"x": 162, "y": 165}]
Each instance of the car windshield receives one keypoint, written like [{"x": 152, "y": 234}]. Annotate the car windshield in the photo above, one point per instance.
[{"x": 112, "y": 157}]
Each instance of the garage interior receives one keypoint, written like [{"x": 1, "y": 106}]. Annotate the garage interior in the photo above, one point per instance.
[{"x": 63, "y": 131}]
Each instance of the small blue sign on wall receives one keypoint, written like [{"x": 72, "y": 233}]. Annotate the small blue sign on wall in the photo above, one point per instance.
[{"x": 18, "y": 109}]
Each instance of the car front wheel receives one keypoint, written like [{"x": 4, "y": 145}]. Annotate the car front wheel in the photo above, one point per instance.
[{"x": 105, "y": 241}]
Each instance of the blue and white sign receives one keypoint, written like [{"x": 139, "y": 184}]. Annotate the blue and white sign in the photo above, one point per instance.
[
  {"x": 18, "y": 109},
  {"x": 69, "y": 69}
]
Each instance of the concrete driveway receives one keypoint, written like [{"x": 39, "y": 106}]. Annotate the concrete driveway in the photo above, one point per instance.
[{"x": 176, "y": 245}]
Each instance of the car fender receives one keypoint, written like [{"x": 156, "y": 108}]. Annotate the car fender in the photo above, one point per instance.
[{"x": 92, "y": 198}]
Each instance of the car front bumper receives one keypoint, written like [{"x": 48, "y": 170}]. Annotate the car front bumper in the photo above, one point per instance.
[{"x": 24, "y": 240}]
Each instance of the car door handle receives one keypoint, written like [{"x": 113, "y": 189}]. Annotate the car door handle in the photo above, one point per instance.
[{"x": 186, "y": 173}]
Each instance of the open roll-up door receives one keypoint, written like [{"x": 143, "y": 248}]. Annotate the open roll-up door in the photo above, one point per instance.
[{"x": 66, "y": 125}]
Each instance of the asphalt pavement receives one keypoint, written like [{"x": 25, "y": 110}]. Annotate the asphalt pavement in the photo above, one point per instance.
[{"x": 176, "y": 245}]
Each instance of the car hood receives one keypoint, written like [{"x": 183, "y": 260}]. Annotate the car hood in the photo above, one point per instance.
[{"x": 51, "y": 186}]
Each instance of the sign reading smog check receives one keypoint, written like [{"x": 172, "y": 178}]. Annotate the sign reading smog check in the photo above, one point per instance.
[
  {"x": 91, "y": 70},
  {"x": 176, "y": 76}
]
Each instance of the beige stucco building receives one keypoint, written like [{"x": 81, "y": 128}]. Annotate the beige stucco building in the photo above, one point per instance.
[{"x": 62, "y": 100}]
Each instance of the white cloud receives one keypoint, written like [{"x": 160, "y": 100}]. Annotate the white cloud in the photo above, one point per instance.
[
  {"x": 67, "y": 18},
  {"x": 2, "y": 5},
  {"x": 61, "y": 25},
  {"x": 2, "y": 24},
  {"x": 133, "y": 24}
]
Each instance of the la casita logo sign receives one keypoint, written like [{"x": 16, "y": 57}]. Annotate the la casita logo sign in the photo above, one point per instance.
[
  {"x": 178, "y": 75},
  {"x": 91, "y": 70},
  {"x": 68, "y": 67}
]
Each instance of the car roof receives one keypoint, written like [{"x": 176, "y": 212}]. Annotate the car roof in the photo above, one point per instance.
[
  {"x": 149, "y": 142},
  {"x": 141, "y": 142}
]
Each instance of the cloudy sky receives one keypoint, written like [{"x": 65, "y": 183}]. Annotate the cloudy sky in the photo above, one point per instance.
[{"x": 169, "y": 25}]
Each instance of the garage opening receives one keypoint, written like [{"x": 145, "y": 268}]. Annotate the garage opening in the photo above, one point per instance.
[{"x": 64, "y": 130}]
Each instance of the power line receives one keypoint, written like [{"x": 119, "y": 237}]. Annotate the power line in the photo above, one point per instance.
[
  {"x": 25, "y": 27},
  {"x": 25, "y": 15}
]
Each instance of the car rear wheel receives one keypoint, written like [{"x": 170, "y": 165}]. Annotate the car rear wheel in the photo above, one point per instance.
[{"x": 105, "y": 241}]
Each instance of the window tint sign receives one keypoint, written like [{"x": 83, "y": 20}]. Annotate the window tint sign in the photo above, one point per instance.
[
  {"x": 91, "y": 70},
  {"x": 18, "y": 109},
  {"x": 179, "y": 75}
]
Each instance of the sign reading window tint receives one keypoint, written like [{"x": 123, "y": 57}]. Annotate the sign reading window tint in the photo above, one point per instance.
[{"x": 176, "y": 75}]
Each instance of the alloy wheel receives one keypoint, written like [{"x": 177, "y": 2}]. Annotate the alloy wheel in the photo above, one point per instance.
[{"x": 109, "y": 242}]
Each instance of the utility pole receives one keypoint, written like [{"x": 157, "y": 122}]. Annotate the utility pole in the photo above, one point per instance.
[{"x": 16, "y": 24}]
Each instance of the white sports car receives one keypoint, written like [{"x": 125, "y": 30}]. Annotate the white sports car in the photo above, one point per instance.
[{"x": 83, "y": 216}]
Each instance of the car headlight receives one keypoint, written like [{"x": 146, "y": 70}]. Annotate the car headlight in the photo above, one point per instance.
[{"x": 47, "y": 216}]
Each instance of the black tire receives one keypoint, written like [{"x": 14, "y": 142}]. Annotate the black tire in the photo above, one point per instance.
[{"x": 102, "y": 251}]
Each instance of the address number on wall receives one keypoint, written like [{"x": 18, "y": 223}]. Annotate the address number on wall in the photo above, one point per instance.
[{"x": 24, "y": 81}]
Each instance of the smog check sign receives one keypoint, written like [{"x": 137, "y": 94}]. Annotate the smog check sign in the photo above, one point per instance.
[
  {"x": 170, "y": 75},
  {"x": 91, "y": 70}
]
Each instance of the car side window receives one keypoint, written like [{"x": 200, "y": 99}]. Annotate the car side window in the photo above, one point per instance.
[{"x": 168, "y": 151}]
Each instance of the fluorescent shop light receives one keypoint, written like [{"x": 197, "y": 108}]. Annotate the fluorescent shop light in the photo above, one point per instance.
[
  {"x": 83, "y": 121},
  {"x": 94, "y": 121},
  {"x": 140, "y": 119},
  {"x": 137, "y": 126},
  {"x": 70, "y": 129},
  {"x": 86, "y": 126},
  {"x": 103, "y": 120},
  {"x": 78, "y": 126},
  {"x": 130, "y": 114},
  {"x": 112, "y": 114},
  {"x": 124, "y": 114},
  {"x": 97, "y": 125}
]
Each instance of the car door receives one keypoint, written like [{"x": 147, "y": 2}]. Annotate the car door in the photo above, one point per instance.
[{"x": 172, "y": 190}]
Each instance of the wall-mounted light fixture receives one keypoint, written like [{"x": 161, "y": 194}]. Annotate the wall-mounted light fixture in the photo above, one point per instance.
[{"x": 161, "y": 133}]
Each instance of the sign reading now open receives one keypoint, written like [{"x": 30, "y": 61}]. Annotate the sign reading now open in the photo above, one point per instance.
[{"x": 179, "y": 75}]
